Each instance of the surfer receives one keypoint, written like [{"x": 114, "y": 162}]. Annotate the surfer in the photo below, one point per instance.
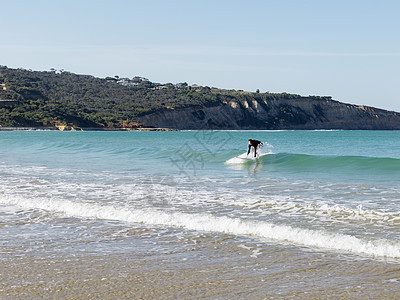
[{"x": 256, "y": 146}]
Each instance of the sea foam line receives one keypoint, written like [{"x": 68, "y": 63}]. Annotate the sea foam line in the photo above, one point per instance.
[{"x": 218, "y": 224}]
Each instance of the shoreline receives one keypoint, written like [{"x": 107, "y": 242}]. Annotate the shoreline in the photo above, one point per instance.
[
  {"x": 82, "y": 129},
  {"x": 188, "y": 274},
  {"x": 71, "y": 128}
]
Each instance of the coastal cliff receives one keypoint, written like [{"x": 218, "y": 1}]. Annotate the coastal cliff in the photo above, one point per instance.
[
  {"x": 297, "y": 113},
  {"x": 63, "y": 100}
]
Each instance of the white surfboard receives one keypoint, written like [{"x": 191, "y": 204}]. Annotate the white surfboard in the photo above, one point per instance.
[{"x": 243, "y": 158}]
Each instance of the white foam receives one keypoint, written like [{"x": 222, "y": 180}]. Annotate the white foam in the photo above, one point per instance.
[
  {"x": 284, "y": 206},
  {"x": 218, "y": 224}
]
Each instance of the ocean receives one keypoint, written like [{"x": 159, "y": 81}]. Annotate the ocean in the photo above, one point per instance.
[{"x": 181, "y": 215}]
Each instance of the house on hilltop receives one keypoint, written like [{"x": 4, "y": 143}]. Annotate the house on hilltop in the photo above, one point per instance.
[{"x": 127, "y": 82}]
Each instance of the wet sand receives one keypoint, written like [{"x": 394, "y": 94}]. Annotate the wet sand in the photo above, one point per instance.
[{"x": 201, "y": 272}]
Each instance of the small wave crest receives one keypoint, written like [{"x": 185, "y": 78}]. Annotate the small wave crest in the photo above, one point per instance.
[
  {"x": 337, "y": 161},
  {"x": 321, "y": 163},
  {"x": 218, "y": 224}
]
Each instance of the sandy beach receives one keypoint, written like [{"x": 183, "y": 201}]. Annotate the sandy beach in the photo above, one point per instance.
[{"x": 204, "y": 272}]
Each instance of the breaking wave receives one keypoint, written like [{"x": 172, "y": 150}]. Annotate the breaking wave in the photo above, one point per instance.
[{"x": 217, "y": 224}]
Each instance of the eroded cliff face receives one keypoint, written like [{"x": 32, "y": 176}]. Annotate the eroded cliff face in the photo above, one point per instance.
[{"x": 301, "y": 113}]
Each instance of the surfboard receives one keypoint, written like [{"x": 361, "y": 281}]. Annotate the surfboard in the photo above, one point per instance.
[
  {"x": 243, "y": 158},
  {"x": 248, "y": 157}
]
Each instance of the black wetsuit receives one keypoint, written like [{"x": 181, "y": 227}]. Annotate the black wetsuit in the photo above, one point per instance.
[{"x": 255, "y": 144}]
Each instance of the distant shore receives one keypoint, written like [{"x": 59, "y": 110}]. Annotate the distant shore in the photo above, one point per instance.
[{"x": 82, "y": 129}]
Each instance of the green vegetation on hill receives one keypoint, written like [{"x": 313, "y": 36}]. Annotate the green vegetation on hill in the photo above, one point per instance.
[{"x": 63, "y": 98}]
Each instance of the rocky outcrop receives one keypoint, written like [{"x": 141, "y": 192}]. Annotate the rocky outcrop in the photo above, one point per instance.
[{"x": 299, "y": 113}]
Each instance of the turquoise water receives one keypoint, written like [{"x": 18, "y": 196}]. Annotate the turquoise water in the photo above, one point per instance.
[{"x": 332, "y": 192}]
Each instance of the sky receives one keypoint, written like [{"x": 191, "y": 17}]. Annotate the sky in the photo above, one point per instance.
[{"x": 346, "y": 49}]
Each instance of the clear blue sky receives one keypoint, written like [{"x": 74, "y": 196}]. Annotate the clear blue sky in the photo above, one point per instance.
[{"x": 349, "y": 50}]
